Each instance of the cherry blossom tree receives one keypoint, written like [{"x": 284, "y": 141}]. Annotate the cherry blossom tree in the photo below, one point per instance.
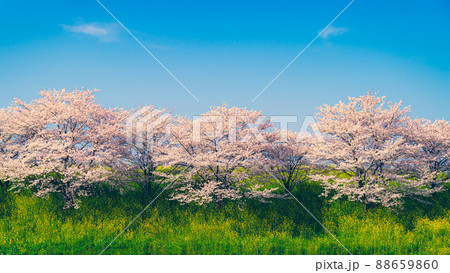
[
  {"x": 432, "y": 160},
  {"x": 148, "y": 141},
  {"x": 5, "y": 148},
  {"x": 16, "y": 130},
  {"x": 219, "y": 151},
  {"x": 70, "y": 143},
  {"x": 368, "y": 159},
  {"x": 285, "y": 156}
]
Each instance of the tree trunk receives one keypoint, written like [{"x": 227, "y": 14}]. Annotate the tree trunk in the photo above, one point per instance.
[
  {"x": 368, "y": 206},
  {"x": 69, "y": 198},
  {"x": 4, "y": 185}
]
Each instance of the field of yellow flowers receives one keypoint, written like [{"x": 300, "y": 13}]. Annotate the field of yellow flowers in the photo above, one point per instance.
[{"x": 31, "y": 225}]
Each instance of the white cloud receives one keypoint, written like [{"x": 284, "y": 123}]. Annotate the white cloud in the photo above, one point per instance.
[
  {"x": 333, "y": 31},
  {"x": 104, "y": 32}
]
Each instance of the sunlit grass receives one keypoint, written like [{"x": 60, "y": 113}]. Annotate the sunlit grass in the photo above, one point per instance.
[{"x": 30, "y": 225}]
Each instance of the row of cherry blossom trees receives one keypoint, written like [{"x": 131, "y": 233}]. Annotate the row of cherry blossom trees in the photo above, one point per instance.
[{"x": 367, "y": 150}]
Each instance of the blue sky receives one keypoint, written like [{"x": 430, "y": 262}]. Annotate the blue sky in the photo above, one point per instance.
[{"x": 227, "y": 51}]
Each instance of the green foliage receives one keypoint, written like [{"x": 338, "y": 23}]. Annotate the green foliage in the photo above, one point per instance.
[{"x": 31, "y": 225}]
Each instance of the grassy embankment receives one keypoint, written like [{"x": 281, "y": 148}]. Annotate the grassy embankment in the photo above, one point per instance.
[{"x": 30, "y": 225}]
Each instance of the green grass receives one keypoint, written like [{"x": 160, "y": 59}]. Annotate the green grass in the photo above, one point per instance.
[{"x": 31, "y": 225}]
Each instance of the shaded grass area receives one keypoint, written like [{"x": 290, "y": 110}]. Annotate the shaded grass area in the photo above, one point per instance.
[{"x": 30, "y": 225}]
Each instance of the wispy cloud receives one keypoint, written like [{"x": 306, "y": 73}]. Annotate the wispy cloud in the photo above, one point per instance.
[
  {"x": 333, "y": 31},
  {"x": 105, "y": 32}
]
